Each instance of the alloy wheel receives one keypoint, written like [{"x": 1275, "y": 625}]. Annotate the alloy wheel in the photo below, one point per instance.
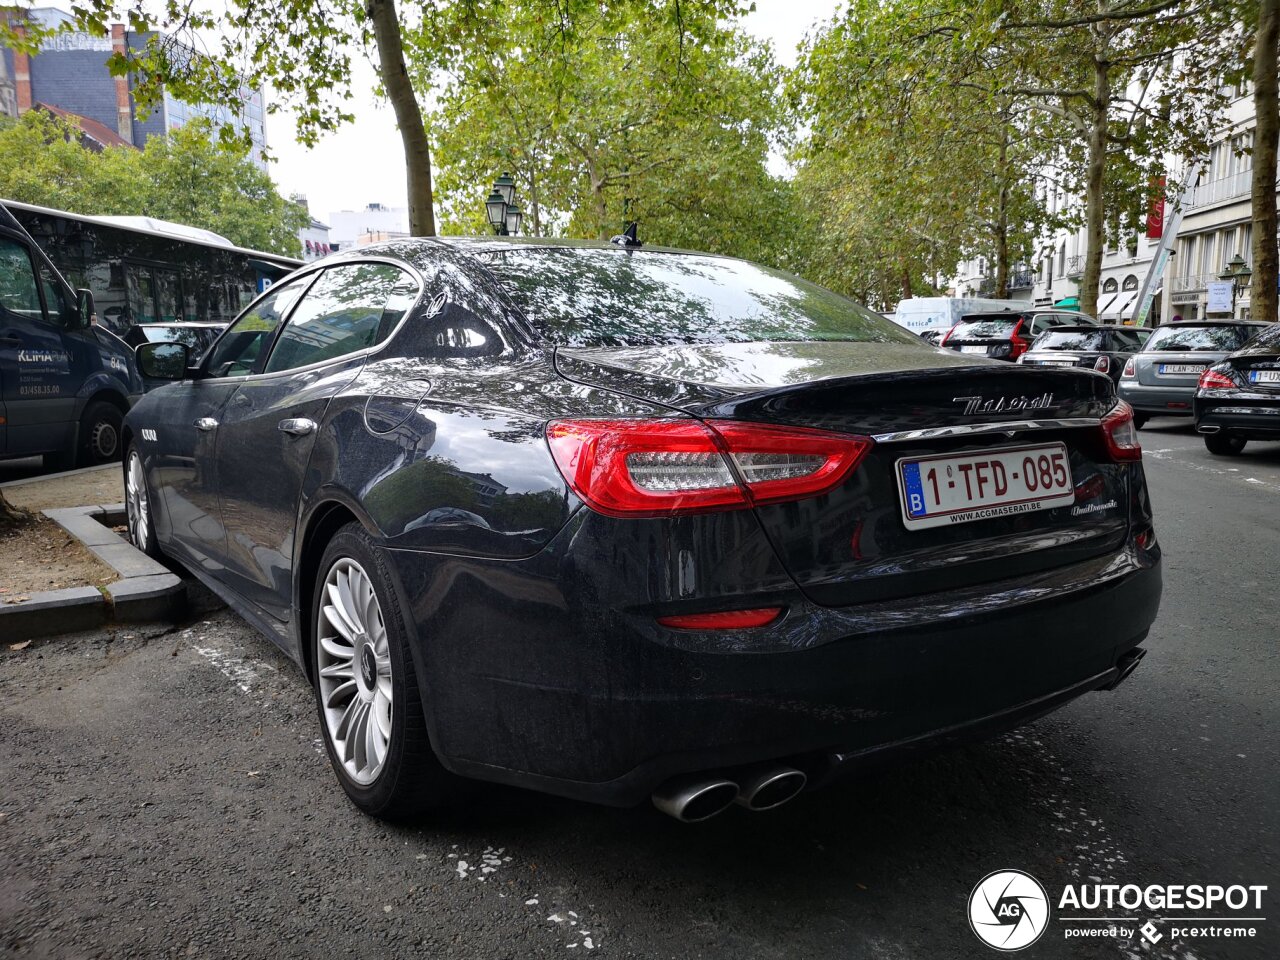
[
  {"x": 136, "y": 502},
  {"x": 353, "y": 664}
]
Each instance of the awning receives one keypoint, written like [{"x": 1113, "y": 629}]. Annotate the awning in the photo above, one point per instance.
[
  {"x": 1068, "y": 303},
  {"x": 1105, "y": 310}
]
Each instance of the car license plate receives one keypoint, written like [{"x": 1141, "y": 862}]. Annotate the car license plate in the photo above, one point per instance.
[
  {"x": 1182, "y": 368},
  {"x": 1264, "y": 376},
  {"x": 947, "y": 489},
  {"x": 976, "y": 348},
  {"x": 1056, "y": 363}
]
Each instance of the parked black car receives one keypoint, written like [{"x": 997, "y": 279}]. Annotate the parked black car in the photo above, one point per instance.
[
  {"x": 1101, "y": 348},
  {"x": 1008, "y": 334},
  {"x": 616, "y": 523},
  {"x": 1161, "y": 378},
  {"x": 1238, "y": 400}
]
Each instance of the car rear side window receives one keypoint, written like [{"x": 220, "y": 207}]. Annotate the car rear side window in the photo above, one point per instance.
[
  {"x": 239, "y": 349},
  {"x": 350, "y": 308},
  {"x": 596, "y": 297},
  {"x": 1217, "y": 337}
]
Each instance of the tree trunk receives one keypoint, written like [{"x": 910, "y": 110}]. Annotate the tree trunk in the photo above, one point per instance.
[
  {"x": 1266, "y": 258},
  {"x": 1002, "y": 221},
  {"x": 413, "y": 133},
  {"x": 906, "y": 281},
  {"x": 9, "y": 514},
  {"x": 1094, "y": 200}
]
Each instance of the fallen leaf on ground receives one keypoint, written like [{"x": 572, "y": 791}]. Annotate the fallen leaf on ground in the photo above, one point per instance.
[{"x": 20, "y": 646}]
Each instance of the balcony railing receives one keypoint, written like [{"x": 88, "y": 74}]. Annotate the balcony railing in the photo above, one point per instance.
[
  {"x": 1018, "y": 280},
  {"x": 1075, "y": 267},
  {"x": 1224, "y": 188},
  {"x": 1193, "y": 282}
]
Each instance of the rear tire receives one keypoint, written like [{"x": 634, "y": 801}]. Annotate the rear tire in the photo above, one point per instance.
[
  {"x": 100, "y": 434},
  {"x": 1222, "y": 445},
  {"x": 1140, "y": 419},
  {"x": 366, "y": 687}
]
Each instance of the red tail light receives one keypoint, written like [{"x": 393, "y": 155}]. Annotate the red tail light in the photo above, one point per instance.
[
  {"x": 1215, "y": 380},
  {"x": 1018, "y": 346},
  {"x": 651, "y": 468},
  {"x": 1103, "y": 365},
  {"x": 1120, "y": 435},
  {"x": 725, "y": 620},
  {"x": 1130, "y": 368}
]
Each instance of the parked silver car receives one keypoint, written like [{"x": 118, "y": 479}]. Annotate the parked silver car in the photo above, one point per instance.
[{"x": 1161, "y": 378}]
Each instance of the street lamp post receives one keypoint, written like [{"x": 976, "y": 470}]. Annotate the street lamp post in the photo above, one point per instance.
[
  {"x": 501, "y": 210},
  {"x": 1238, "y": 273}
]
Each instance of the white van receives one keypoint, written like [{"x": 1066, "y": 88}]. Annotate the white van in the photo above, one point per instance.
[{"x": 919, "y": 314}]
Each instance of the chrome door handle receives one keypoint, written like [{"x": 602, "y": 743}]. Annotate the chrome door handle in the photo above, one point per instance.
[
  {"x": 206, "y": 424},
  {"x": 298, "y": 427}
]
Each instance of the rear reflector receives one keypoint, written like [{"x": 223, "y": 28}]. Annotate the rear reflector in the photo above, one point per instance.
[
  {"x": 725, "y": 620},
  {"x": 653, "y": 468},
  {"x": 1120, "y": 435}
]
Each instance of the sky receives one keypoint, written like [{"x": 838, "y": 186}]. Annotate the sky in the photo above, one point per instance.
[{"x": 363, "y": 162}]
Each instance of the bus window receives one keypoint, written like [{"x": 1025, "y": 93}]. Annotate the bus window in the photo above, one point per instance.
[
  {"x": 142, "y": 297},
  {"x": 18, "y": 293},
  {"x": 166, "y": 286}
]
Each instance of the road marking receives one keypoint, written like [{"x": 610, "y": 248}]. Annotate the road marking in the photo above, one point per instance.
[{"x": 1231, "y": 472}]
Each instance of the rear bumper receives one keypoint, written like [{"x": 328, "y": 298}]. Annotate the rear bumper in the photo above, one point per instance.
[
  {"x": 541, "y": 687},
  {"x": 1157, "y": 400},
  {"x": 1247, "y": 416}
]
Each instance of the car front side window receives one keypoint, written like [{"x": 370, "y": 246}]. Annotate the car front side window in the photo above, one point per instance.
[
  {"x": 238, "y": 351},
  {"x": 350, "y": 308},
  {"x": 19, "y": 296}
]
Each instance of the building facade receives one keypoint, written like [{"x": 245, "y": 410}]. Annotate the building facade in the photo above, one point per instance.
[
  {"x": 350, "y": 228},
  {"x": 70, "y": 76}
]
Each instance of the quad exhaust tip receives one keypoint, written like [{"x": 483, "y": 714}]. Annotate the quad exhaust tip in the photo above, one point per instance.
[{"x": 694, "y": 797}]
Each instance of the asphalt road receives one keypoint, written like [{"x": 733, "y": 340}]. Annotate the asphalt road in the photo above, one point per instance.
[{"x": 164, "y": 795}]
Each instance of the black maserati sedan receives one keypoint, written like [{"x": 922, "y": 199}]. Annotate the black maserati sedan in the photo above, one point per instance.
[
  {"x": 622, "y": 523},
  {"x": 1238, "y": 400}
]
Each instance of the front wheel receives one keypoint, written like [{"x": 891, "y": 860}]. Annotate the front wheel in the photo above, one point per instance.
[
  {"x": 366, "y": 687},
  {"x": 1221, "y": 445},
  {"x": 137, "y": 505}
]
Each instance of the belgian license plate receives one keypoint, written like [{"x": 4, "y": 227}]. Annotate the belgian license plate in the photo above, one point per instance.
[
  {"x": 1264, "y": 376},
  {"x": 975, "y": 348},
  {"x": 1056, "y": 363},
  {"x": 947, "y": 489},
  {"x": 1182, "y": 368}
]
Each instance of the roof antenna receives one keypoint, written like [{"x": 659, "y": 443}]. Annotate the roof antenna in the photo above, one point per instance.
[{"x": 628, "y": 237}]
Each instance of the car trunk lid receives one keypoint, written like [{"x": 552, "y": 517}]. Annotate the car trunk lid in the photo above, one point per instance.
[{"x": 853, "y": 544}]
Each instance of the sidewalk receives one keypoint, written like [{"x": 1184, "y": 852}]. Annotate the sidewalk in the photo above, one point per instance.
[{"x": 75, "y": 488}]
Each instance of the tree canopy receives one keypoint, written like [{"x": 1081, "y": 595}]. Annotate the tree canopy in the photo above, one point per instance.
[{"x": 184, "y": 176}]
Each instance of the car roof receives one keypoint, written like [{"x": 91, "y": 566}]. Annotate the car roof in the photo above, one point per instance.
[
  {"x": 1089, "y": 328},
  {"x": 1214, "y": 323}
]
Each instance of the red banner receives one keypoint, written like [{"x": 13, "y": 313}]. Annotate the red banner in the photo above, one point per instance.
[{"x": 1155, "y": 209}]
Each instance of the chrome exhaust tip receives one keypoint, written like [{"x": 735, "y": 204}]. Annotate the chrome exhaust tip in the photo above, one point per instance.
[
  {"x": 1125, "y": 666},
  {"x": 695, "y": 797},
  {"x": 1208, "y": 428},
  {"x": 766, "y": 787}
]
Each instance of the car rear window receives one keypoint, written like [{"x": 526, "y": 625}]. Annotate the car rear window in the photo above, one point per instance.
[
  {"x": 602, "y": 297},
  {"x": 1216, "y": 338},
  {"x": 1268, "y": 337},
  {"x": 985, "y": 328},
  {"x": 1072, "y": 340}
]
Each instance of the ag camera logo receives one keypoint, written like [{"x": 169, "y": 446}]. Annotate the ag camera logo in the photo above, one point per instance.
[{"x": 1008, "y": 910}]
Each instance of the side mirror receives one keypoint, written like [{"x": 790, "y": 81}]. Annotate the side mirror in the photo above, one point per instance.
[
  {"x": 84, "y": 302},
  {"x": 163, "y": 361}
]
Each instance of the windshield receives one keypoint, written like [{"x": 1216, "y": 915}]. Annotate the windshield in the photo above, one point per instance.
[
  {"x": 608, "y": 298},
  {"x": 994, "y": 328},
  {"x": 1072, "y": 340},
  {"x": 1217, "y": 338}
]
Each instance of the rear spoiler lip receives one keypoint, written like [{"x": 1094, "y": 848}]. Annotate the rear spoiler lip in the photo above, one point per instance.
[{"x": 972, "y": 429}]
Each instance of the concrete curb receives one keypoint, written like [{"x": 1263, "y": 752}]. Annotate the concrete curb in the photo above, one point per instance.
[
  {"x": 146, "y": 590},
  {"x": 45, "y": 477}
]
